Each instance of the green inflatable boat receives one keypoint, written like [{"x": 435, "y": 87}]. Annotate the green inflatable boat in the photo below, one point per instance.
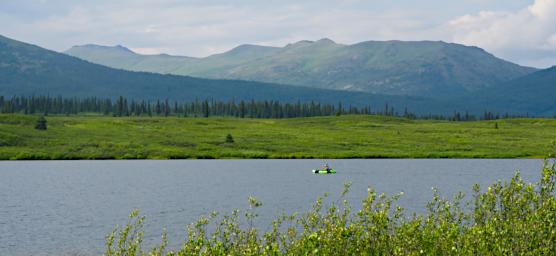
[{"x": 324, "y": 171}]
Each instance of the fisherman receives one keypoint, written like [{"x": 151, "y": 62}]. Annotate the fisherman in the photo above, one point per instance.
[{"x": 325, "y": 169}]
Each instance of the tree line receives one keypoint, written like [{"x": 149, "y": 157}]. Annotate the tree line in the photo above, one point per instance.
[{"x": 122, "y": 106}]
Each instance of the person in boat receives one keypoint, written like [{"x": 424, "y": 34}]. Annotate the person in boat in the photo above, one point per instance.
[{"x": 326, "y": 167}]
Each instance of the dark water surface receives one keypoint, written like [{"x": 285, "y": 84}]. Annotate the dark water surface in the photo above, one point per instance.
[{"x": 67, "y": 207}]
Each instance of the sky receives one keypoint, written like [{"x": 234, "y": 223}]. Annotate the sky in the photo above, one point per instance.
[{"x": 522, "y": 31}]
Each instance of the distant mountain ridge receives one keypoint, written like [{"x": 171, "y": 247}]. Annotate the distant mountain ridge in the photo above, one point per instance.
[
  {"x": 27, "y": 70},
  {"x": 423, "y": 68},
  {"x": 30, "y": 70}
]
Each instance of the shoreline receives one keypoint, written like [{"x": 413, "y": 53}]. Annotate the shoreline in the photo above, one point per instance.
[{"x": 208, "y": 159}]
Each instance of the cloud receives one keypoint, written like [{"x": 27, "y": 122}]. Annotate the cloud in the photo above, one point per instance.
[
  {"x": 552, "y": 41},
  {"x": 200, "y": 29},
  {"x": 203, "y": 27},
  {"x": 521, "y": 35},
  {"x": 147, "y": 51},
  {"x": 151, "y": 29}
]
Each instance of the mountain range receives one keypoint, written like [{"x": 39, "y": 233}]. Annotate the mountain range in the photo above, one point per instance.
[
  {"x": 27, "y": 69},
  {"x": 425, "y": 68}
]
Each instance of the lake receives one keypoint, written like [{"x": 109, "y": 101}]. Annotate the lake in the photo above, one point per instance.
[{"x": 67, "y": 207}]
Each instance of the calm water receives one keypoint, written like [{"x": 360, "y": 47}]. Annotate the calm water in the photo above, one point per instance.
[{"x": 67, "y": 207}]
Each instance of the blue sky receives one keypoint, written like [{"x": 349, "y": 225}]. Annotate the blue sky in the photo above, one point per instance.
[{"x": 522, "y": 31}]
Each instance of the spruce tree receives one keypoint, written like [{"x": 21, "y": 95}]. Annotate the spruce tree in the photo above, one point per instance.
[
  {"x": 229, "y": 138},
  {"x": 41, "y": 123}
]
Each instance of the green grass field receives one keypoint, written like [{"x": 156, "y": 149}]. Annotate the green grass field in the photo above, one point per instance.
[{"x": 98, "y": 137}]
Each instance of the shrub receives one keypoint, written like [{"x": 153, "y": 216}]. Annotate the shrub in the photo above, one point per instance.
[
  {"x": 229, "y": 138},
  {"x": 510, "y": 218},
  {"x": 41, "y": 123}
]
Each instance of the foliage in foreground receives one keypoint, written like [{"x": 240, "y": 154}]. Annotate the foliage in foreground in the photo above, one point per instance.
[{"x": 510, "y": 218}]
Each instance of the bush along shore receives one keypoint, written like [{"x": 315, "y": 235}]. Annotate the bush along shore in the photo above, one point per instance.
[{"x": 507, "y": 218}]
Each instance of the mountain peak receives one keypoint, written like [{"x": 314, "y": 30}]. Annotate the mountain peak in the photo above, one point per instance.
[
  {"x": 325, "y": 41},
  {"x": 249, "y": 51},
  {"x": 322, "y": 41},
  {"x": 299, "y": 43},
  {"x": 245, "y": 47},
  {"x": 102, "y": 47},
  {"x": 123, "y": 48}
]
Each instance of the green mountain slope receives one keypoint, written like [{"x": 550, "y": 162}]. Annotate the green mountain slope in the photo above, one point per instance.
[
  {"x": 426, "y": 68},
  {"x": 30, "y": 70},
  {"x": 534, "y": 94},
  {"x": 123, "y": 58}
]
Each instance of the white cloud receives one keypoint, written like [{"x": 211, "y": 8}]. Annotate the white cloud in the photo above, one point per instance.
[
  {"x": 552, "y": 41},
  {"x": 531, "y": 29},
  {"x": 202, "y": 27},
  {"x": 151, "y": 29},
  {"x": 199, "y": 29},
  {"x": 147, "y": 51}
]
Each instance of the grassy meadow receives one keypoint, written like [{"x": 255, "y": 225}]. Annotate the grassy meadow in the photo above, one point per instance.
[{"x": 350, "y": 136}]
